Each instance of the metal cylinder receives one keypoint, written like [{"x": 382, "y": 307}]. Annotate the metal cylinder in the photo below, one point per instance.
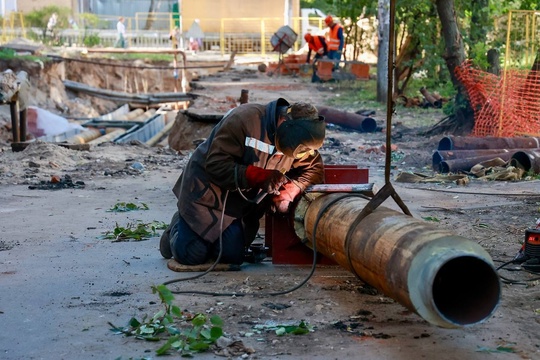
[
  {"x": 446, "y": 279},
  {"x": 488, "y": 142},
  {"x": 445, "y": 155},
  {"x": 528, "y": 160},
  {"x": 348, "y": 120},
  {"x": 107, "y": 137},
  {"x": 465, "y": 164},
  {"x": 84, "y": 137}
]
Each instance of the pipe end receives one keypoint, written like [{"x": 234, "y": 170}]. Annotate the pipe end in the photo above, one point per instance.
[{"x": 466, "y": 290}]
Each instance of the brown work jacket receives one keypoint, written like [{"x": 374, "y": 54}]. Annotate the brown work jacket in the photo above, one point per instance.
[{"x": 245, "y": 136}]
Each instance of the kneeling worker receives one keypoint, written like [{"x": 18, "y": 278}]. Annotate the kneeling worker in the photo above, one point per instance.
[{"x": 254, "y": 150}]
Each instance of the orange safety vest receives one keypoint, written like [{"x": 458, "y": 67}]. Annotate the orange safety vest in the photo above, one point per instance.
[
  {"x": 316, "y": 44},
  {"x": 333, "y": 40}
]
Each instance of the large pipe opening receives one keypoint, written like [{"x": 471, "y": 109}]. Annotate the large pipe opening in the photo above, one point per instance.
[
  {"x": 522, "y": 160},
  {"x": 446, "y": 143},
  {"x": 466, "y": 290}
]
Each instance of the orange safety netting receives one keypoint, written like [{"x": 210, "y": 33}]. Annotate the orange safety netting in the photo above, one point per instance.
[{"x": 504, "y": 106}]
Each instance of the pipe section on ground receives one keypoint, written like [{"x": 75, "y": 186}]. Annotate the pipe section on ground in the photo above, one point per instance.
[
  {"x": 455, "y": 165},
  {"x": 347, "y": 119},
  {"x": 488, "y": 142},
  {"x": 444, "y": 155},
  {"x": 445, "y": 278},
  {"x": 528, "y": 160}
]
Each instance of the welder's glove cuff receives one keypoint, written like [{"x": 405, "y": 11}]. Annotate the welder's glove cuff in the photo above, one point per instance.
[
  {"x": 268, "y": 180},
  {"x": 287, "y": 194}
]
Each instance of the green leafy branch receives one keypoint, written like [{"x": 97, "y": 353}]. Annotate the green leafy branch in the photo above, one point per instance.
[
  {"x": 280, "y": 330},
  {"x": 139, "y": 231},
  {"x": 198, "y": 336},
  {"x": 124, "y": 207}
]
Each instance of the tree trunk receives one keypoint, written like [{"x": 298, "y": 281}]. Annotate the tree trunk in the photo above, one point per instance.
[
  {"x": 151, "y": 16},
  {"x": 493, "y": 59},
  {"x": 462, "y": 121},
  {"x": 383, "y": 51}
]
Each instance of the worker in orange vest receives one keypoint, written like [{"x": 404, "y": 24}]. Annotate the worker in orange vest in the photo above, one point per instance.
[
  {"x": 336, "y": 40},
  {"x": 317, "y": 44}
]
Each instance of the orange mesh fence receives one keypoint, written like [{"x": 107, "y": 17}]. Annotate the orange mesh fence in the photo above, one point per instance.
[{"x": 504, "y": 106}]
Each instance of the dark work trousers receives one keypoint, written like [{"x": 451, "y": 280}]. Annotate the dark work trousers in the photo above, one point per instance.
[
  {"x": 314, "y": 77},
  {"x": 188, "y": 248},
  {"x": 335, "y": 55}
]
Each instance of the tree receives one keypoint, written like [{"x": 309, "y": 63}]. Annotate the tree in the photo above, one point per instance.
[{"x": 462, "y": 120}]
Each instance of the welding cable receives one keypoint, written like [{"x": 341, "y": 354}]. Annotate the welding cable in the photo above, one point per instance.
[
  {"x": 196, "y": 292},
  {"x": 253, "y": 201},
  {"x": 277, "y": 293},
  {"x": 513, "y": 281}
]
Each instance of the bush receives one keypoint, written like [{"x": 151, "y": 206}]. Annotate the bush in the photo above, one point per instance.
[
  {"x": 39, "y": 18},
  {"x": 91, "y": 39}
]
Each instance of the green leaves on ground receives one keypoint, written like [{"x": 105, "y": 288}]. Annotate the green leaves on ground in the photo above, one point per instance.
[
  {"x": 498, "y": 349},
  {"x": 431, "y": 218},
  {"x": 139, "y": 231},
  {"x": 124, "y": 207},
  {"x": 280, "y": 330},
  {"x": 199, "y": 333}
]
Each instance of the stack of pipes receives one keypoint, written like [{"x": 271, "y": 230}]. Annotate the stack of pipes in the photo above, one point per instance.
[
  {"x": 456, "y": 153},
  {"x": 96, "y": 136}
]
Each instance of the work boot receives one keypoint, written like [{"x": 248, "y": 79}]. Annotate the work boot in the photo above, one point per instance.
[{"x": 165, "y": 241}]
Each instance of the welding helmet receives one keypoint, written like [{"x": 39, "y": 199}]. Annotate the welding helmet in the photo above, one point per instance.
[
  {"x": 302, "y": 132},
  {"x": 328, "y": 20}
]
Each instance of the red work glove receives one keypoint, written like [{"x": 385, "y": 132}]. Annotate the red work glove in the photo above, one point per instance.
[
  {"x": 268, "y": 180},
  {"x": 286, "y": 196}
]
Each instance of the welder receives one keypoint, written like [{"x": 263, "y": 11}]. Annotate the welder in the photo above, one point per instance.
[{"x": 259, "y": 157}]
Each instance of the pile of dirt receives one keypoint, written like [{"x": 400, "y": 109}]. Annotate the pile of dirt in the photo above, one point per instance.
[{"x": 40, "y": 161}]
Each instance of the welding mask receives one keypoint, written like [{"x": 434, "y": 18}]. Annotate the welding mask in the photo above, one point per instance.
[{"x": 302, "y": 132}]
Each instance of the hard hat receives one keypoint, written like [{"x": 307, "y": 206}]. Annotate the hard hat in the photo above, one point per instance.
[
  {"x": 307, "y": 37},
  {"x": 302, "y": 133},
  {"x": 328, "y": 20}
]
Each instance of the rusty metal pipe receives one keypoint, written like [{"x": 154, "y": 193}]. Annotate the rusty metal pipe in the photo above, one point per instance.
[
  {"x": 445, "y": 278},
  {"x": 488, "y": 142},
  {"x": 528, "y": 160},
  {"x": 347, "y": 119},
  {"x": 445, "y": 155},
  {"x": 466, "y": 164},
  {"x": 430, "y": 98}
]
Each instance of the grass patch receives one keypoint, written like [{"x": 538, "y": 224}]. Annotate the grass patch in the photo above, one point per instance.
[
  {"x": 10, "y": 54},
  {"x": 146, "y": 57},
  {"x": 354, "y": 94}
]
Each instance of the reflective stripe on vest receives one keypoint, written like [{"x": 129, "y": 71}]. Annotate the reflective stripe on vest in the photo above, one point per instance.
[
  {"x": 333, "y": 41},
  {"x": 259, "y": 145}
]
